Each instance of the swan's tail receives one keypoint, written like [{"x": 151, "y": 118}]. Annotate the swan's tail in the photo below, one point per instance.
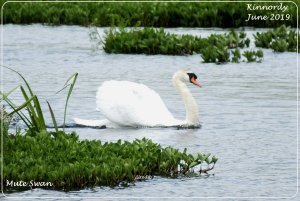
[{"x": 92, "y": 123}]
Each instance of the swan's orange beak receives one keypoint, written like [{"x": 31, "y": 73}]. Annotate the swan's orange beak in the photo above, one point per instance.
[{"x": 195, "y": 82}]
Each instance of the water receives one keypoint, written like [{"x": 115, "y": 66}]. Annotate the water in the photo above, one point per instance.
[{"x": 248, "y": 111}]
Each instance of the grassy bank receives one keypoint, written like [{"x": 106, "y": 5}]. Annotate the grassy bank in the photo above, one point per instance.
[
  {"x": 156, "y": 14},
  {"x": 38, "y": 158}
]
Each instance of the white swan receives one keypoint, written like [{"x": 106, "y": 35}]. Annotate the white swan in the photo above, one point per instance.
[{"x": 125, "y": 103}]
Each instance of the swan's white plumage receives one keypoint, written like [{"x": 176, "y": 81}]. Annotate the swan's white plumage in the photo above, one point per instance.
[
  {"x": 131, "y": 104},
  {"x": 125, "y": 103}
]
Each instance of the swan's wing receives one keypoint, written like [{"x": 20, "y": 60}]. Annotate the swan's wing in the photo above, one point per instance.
[{"x": 131, "y": 104}]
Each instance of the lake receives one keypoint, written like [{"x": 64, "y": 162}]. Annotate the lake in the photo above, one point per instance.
[{"x": 248, "y": 111}]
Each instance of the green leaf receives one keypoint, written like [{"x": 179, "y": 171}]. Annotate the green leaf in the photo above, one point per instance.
[
  {"x": 31, "y": 111},
  {"x": 5, "y": 95},
  {"x": 53, "y": 117},
  {"x": 21, "y": 106},
  {"x": 73, "y": 78},
  {"x": 22, "y": 116},
  {"x": 214, "y": 159},
  {"x": 28, "y": 87}
]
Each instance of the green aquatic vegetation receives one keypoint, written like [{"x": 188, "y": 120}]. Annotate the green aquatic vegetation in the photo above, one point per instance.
[
  {"x": 209, "y": 54},
  {"x": 223, "y": 54},
  {"x": 35, "y": 119},
  {"x": 292, "y": 41},
  {"x": 253, "y": 56},
  {"x": 213, "y": 49},
  {"x": 5, "y": 120},
  {"x": 158, "y": 41},
  {"x": 259, "y": 55},
  {"x": 217, "y": 50},
  {"x": 71, "y": 83},
  {"x": 237, "y": 39},
  {"x": 279, "y": 45},
  {"x": 263, "y": 39},
  {"x": 150, "y": 41},
  {"x": 68, "y": 163},
  {"x": 280, "y": 39},
  {"x": 214, "y": 54},
  {"x": 244, "y": 40},
  {"x": 145, "y": 14},
  {"x": 250, "y": 55},
  {"x": 236, "y": 55}
]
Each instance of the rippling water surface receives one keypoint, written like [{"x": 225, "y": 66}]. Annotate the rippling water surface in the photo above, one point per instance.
[{"x": 248, "y": 110}]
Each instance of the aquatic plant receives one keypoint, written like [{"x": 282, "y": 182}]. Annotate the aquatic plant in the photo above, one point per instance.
[
  {"x": 158, "y": 41},
  {"x": 69, "y": 163},
  {"x": 252, "y": 55},
  {"x": 209, "y": 54},
  {"x": 217, "y": 50},
  {"x": 150, "y": 41},
  {"x": 71, "y": 83},
  {"x": 263, "y": 39},
  {"x": 236, "y": 55},
  {"x": 214, "y": 54},
  {"x": 5, "y": 120},
  {"x": 35, "y": 120},
  {"x": 259, "y": 54},
  {"x": 223, "y": 54},
  {"x": 213, "y": 49},
  {"x": 237, "y": 39},
  {"x": 280, "y": 39},
  {"x": 279, "y": 45},
  {"x": 145, "y": 14}
]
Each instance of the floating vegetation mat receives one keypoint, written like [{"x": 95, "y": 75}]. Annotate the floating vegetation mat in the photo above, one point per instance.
[
  {"x": 57, "y": 160},
  {"x": 213, "y": 49}
]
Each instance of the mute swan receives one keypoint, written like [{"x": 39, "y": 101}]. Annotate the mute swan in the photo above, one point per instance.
[{"x": 130, "y": 104}]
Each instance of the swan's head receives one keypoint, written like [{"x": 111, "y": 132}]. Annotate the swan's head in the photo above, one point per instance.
[{"x": 187, "y": 77}]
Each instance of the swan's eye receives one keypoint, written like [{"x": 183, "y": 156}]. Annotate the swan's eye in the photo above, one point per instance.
[{"x": 192, "y": 75}]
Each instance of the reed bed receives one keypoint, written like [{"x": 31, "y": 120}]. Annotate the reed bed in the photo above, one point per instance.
[{"x": 146, "y": 14}]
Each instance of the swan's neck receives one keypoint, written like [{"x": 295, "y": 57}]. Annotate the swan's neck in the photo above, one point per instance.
[{"x": 190, "y": 104}]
